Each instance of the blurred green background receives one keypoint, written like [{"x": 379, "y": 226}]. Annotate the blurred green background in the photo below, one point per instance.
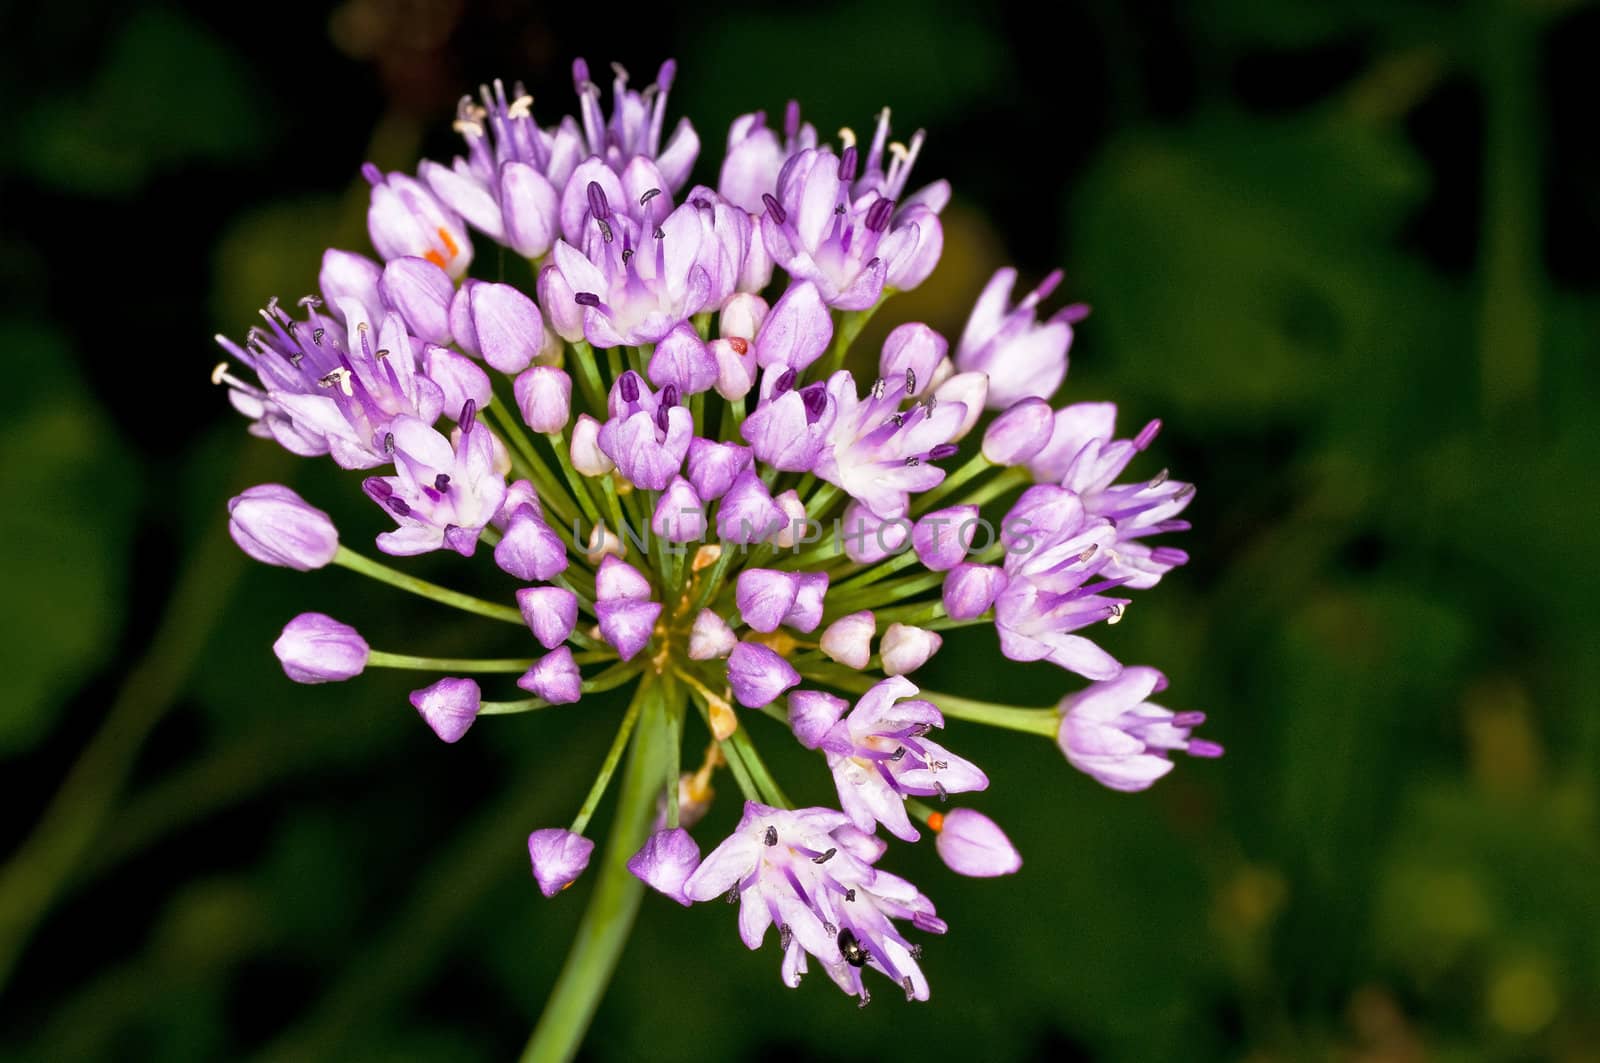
[{"x": 1346, "y": 252}]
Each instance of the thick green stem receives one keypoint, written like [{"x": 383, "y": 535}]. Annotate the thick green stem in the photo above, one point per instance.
[
  {"x": 609, "y": 918},
  {"x": 395, "y": 578}
]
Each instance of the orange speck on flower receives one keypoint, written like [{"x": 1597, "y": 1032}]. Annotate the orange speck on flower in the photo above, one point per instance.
[
  {"x": 936, "y": 821},
  {"x": 740, "y": 346}
]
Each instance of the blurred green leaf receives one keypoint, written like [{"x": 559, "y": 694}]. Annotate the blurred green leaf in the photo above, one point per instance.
[
  {"x": 72, "y": 487},
  {"x": 168, "y": 93}
]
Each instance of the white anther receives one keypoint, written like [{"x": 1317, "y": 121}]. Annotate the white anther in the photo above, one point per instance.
[
  {"x": 847, "y": 137},
  {"x": 467, "y": 128},
  {"x": 220, "y": 373},
  {"x": 521, "y": 107},
  {"x": 898, "y": 150}
]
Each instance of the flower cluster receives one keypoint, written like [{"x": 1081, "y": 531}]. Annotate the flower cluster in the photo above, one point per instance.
[{"x": 658, "y": 442}]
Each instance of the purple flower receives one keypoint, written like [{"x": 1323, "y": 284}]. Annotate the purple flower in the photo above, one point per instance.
[
  {"x": 1020, "y": 433},
  {"x": 943, "y": 537},
  {"x": 460, "y": 379},
  {"x": 747, "y": 513},
  {"x": 1109, "y": 731},
  {"x": 551, "y": 613},
  {"x": 796, "y": 331},
  {"x": 316, "y": 648},
  {"x": 765, "y": 596},
  {"x": 758, "y": 675},
  {"x": 970, "y": 589},
  {"x": 812, "y": 714},
  {"x": 329, "y": 385},
  {"x": 627, "y": 616},
  {"x": 554, "y": 677},
  {"x": 530, "y": 549},
  {"x": 587, "y": 455},
  {"x": 1023, "y": 357},
  {"x": 405, "y": 218},
  {"x": 498, "y": 323},
  {"x": 665, "y": 863},
  {"x": 869, "y": 538},
  {"x": 276, "y": 526},
  {"x": 756, "y": 155},
  {"x": 880, "y": 754},
  {"x": 811, "y": 874},
  {"x": 790, "y": 427},
  {"x": 636, "y": 124},
  {"x": 440, "y": 495},
  {"x": 970, "y": 843},
  {"x": 648, "y": 434},
  {"x": 1053, "y": 551},
  {"x": 506, "y": 186},
  {"x": 682, "y": 360},
  {"x": 881, "y": 455},
  {"x": 680, "y": 516},
  {"x": 1085, "y": 458},
  {"x": 449, "y": 707},
  {"x": 714, "y": 466},
  {"x": 558, "y": 858},
  {"x": 850, "y": 245},
  {"x": 420, "y": 292}
]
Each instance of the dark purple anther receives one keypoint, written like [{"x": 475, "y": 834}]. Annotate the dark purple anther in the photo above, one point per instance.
[
  {"x": 942, "y": 451},
  {"x": 669, "y": 395},
  {"x": 774, "y": 208},
  {"x": 1188, "y": 719},
  {"x": 661, "y": 417},
  {"x": 878, "y": 215},
  {"x": 1147, "y": 434},
  {"x": 649, "y": 195},
  {"x": 784, "y": 383},
  {"x": 399, "y": 505},
  {"x": 317, "y": 334},
  {"x": 441, "y": 482},
  {"x": 586, "y": 299},
  {"x": 388, "y": 442},
  {"x": 469, "y": 411},
  {"x": 791, "y": 119},
  {"x": 816, "y": 400},
  {"x": 597, "y": 201},
  {"x": 628, "y": 386},
  {"x": 659, "y": 234},
  {"x": 847, "y": 164},
  {"x": 377, "y": 487}
]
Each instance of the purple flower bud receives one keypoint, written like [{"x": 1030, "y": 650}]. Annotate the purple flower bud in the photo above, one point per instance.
[
  {"x": 348, "y": 276},
  {"x": 667, "y": 860},
  {"x": 905, "y": 648},
  {"x": 315, "y": 648},
  {"x": 1112, "y": 733},
  {"x": 558, "y": 857},
  {"x": 449, "y": 707},
  {"x": 530, "y": 550},
  {"x": 848, "y": 640},
  {"x": 868, "y": 538},
  {"x": 942, "y": 538},
  {"x": 742, "y": 316},
  {"x": 529, "y": 205},
  {"x": 736, "y": 367},
  {"x": 971, "y": 390},
  {"x": 420, "y": 292},
  {"x": 910, "y": 356},
  {"x": 758, "y": 675},
  {"x": 544, "y": 397},
  {"x": 710, "y": 637},
  {"x": 680, "y": 516},
  {"x": 627, "y": 624},
  {"x": 971, "y": 844},
  {"x": 554, "y": 677},
  {"x": 812, "y": 714},
  {"x": 796, "y": 331},
  {"x": 499, "y": 323},
  {"x": 747, "y": 513},
  {"x": 551, "y": 613},
  {"x": 273, "y": 524},
  {"x": 970, "y": 589},
  {"x": 405, "y": 218},
  {"x": 617, "y": 580},
  {"x": 765, "y": 596},
  {"x": 806, "y": 612},
  {"x": 1017, "y": 435},
  {"x": 794, "y": 517},
  {"x": 682, "y": 360},
  {"x": 518, "y": 494},
  {"x": 714, "y": 466},
  {"x": 587, "y": 457},
  {"x": 459, "y": 377}
]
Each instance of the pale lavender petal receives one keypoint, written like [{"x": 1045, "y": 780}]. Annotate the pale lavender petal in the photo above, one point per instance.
[
  {"x": 316, "y": 648},
  {"x": 273, "y": 524},
  {"x": 558, "y": 858},
  {"x": 449, "y": 707},
  {"x": 665, "y": 863},
  {"x": 551, "y": 613},
  {"x": 554, "y": 677},
  {"x": 758, "y": 675}
]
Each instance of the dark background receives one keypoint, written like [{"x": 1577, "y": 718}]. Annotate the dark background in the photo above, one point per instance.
[{"x": 1347, "y": 252}]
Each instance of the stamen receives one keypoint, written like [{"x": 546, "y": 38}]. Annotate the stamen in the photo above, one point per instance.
[
  {"x": 628, "y": 387},
  {"x": 521, "y": 107},
  {"x": 220, "y": 373},
  {"x": 441, "y": 482},
  {"x": 774, "y": 208},
  {"x": 878, "y": 215},
  {"x": 847, "y": 137},
  {"x": 649, "y": 195},
  {"x": 597, "y": 201},
  {"x": 771, "y": 837},
  {"x": 586, "y": 299},
  {"x": 824, "y": 858}
]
